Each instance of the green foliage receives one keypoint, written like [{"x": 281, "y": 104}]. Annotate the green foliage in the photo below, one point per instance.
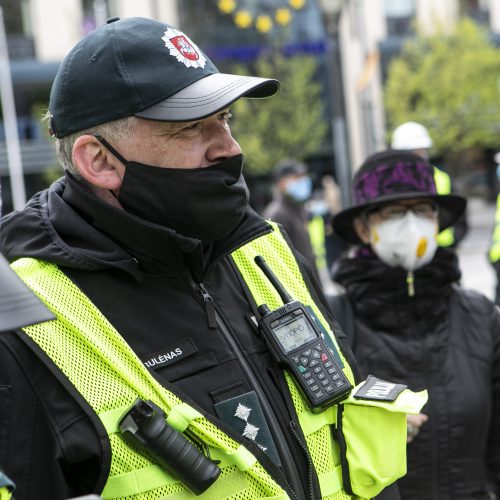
[
  {"x": 450, "y": 84},
  {"x": 289, "y": 124}
]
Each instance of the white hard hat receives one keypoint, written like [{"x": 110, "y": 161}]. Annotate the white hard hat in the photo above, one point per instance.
[{"x": 411, "y": 136}]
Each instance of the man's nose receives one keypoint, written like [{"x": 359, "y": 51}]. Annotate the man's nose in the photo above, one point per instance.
[{"x": 222, "y": 144}]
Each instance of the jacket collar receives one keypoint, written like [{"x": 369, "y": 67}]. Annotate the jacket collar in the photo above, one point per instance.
[{"x": 157, "y": 248}]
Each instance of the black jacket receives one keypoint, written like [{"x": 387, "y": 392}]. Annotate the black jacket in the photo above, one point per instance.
[
  {"x": 445, "y": 340},
  {"x": 147, "y": 281},
  {"x": 293, "y": 217}
]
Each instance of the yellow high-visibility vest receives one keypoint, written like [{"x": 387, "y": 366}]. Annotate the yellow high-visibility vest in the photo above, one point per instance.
[
  {"x": 446, "y": 237},
  {"x": 105, "y": 371},
  {"x": 494, "y": 252}
]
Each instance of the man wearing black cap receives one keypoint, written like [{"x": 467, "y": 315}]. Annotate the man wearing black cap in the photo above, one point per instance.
[{"x": 154, "y": 380}]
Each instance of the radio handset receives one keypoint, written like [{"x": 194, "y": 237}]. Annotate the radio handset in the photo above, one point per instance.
[{"x": 297, "y": 344}]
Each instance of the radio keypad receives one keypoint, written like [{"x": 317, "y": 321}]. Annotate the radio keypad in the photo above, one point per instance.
[{"x": 323, "y": 371}]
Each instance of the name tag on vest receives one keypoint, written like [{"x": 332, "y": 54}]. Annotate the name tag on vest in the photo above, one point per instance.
[
  {"x": 170, "y": 355},
  {"x": 376, "y": 389}
]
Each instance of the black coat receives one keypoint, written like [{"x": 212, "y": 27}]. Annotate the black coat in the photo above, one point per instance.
[
  {"x": 445, "y": 340},
  {"x": 144, "y": 279},
  {"x": 293, "y": 217}
]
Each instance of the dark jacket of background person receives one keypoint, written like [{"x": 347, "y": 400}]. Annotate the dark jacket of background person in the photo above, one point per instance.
[
  {"x": 414, "y": 324},
  {"x": 446, "y": 340},
  {"x": 293, "y": 217},
  {"x": 291, "y": 213}
]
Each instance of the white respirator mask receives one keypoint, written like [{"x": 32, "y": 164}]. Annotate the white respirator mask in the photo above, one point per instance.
[{"x": 409, "y": 241}]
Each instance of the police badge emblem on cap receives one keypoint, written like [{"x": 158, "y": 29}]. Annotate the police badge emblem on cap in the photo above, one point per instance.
[{"x": 183, "y": 49}]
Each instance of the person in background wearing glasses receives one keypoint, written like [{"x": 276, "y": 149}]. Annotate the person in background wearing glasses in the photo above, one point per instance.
[{"x": 409, "y": 321}]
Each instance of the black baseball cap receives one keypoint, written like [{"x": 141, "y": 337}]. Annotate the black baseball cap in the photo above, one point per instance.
[
  {"x": 146, "y": 68},
  {"x": 287, "y": 167}
]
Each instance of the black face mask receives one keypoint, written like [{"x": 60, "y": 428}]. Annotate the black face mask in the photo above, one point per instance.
[{"x": 202, "y": 203}]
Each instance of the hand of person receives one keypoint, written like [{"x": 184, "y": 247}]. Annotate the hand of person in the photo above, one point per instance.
[{"x": 413, "y": 424}]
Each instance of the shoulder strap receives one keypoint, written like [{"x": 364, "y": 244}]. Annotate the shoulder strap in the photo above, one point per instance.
[
  {"x": 344, "y": 315},
  {"x": 19, "y": 306}
]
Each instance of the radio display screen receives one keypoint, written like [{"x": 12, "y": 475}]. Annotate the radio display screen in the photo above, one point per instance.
[{"x": 294, "y": 334}]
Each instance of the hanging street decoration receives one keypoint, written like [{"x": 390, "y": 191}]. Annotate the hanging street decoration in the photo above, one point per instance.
[
  {"x": 263, "y": 20},
  {"x": 227, "y": 6},
  {"x": 243, "y": 19},
  {"x": 297, "y": 4},
  {"x": 283, "y": 16},
  {"x": 264, "y": 23}
]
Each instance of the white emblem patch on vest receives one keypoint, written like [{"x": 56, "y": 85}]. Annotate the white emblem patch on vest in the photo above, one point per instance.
[
  {"x": 376, "y": 389},
  {"x": 183, "y": 49}
]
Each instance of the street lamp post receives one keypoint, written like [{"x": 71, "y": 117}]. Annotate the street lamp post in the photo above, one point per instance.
[
  {"x": 10, "y": 123},
  {"x": 332, "y": 10}
]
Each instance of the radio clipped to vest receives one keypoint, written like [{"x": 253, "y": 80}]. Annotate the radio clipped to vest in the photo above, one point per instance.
[{"x": 297, "y": 344}]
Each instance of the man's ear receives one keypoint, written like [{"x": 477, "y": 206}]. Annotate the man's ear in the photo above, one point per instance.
[
  {"x": 96, "y": 164},
  {"x": 362, "y": 229}
]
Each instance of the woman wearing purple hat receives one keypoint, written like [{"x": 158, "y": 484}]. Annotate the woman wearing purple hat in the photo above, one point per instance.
[{"x": 410, "y": 322}]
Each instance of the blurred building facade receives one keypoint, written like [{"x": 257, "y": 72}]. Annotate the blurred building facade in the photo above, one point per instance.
[
  {"x": 39, "y": 34},
  {"x": 370, "y": 33}
]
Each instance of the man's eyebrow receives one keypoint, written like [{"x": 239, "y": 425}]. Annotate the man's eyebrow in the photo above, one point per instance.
[{"x": 172, "y": 127}]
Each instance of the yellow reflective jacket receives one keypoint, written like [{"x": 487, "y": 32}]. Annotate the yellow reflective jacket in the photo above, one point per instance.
[{"x": 106, "y": 372}]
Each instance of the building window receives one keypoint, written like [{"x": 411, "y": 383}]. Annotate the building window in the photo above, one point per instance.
[
  {"x": 16, "y": 17},
  {"x": 96, "y": 12},
  {"x": 18, "y": 28},
  {"x": 476, "y": 9},
  {"x": 399, "y": 15}
]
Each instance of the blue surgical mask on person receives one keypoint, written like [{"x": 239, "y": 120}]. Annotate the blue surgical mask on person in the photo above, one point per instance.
[{"x": 299, "y": 189}]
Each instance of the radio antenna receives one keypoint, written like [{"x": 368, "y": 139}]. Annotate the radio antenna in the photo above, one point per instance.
[{"x": 285, "y": 296}]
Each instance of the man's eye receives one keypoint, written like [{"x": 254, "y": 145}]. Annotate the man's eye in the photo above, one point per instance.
[
  {"x": 192, "y": 126},
  {"x": 226, "y": 116}
]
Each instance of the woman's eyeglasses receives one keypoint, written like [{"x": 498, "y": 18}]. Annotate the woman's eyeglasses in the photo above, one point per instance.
[{"x": 425, "y": 209}]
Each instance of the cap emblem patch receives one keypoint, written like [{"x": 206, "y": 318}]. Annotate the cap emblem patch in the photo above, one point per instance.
[{"x": 183, "y": 49}]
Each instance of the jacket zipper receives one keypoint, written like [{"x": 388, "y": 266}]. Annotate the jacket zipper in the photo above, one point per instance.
[
  {"x": 266, "y": 406},
  {"x": 208, "y": 302},
  {"x": 310, "y": 465},
  {"x": 427, "y": 361},
  {"x": 432, "y": 417}
]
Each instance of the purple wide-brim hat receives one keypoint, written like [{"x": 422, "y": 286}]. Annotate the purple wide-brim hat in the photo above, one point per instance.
[{"x": 390, "y": 176}]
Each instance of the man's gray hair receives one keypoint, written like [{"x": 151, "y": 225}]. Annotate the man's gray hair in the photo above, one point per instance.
[{"x": 112, "y": 131}]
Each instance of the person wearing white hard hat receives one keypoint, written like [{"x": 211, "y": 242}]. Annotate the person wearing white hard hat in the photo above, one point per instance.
[{"x": 414, "y": 137}]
